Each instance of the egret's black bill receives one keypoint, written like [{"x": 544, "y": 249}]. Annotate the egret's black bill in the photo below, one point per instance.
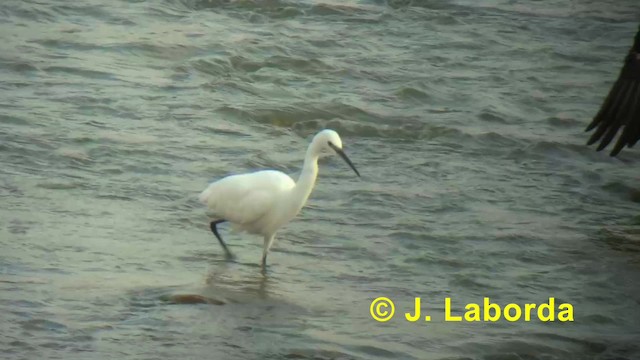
[{"x": 344, "y": 157}]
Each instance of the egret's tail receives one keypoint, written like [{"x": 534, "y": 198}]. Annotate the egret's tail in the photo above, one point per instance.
[{"x": 204, "y": 196}]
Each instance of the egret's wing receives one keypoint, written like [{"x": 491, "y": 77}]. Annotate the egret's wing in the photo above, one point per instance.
[
  {"x": 244, "y": 198},
  {"x": 621, "y": 108}
]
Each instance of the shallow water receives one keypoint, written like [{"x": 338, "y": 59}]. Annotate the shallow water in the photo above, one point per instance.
[{"x": 465, "y": 119}]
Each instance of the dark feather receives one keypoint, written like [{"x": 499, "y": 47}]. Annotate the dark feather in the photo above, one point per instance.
[
  {"x": 604, "y": 119},
  {"x": 630, "y": 134},
  {"x": 612, "y": 97},
  {"x": 621, "y": 109}
]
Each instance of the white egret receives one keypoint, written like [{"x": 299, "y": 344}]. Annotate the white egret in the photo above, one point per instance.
[{"x": 261, "y": 202}]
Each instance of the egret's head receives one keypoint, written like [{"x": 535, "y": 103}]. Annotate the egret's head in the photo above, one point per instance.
[{"x": 329, "y": 140}]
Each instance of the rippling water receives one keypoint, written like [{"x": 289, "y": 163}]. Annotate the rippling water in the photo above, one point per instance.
[{"x": 465, "y": 118}]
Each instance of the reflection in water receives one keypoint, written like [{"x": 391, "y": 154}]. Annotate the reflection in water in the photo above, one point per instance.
[{"x": 226, "y": 283}]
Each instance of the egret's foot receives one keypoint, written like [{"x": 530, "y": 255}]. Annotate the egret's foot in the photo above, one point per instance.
[{"x": 228, "y": 255}]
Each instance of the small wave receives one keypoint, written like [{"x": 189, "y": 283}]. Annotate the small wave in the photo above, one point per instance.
[
  {"x": 317, "y": 354},
  {"x": 44, "y": 325},
  {"x": 92, "y": 74},
  {"x": 127, "y": 138},
  {"x": 546, "y": 149},
  {"x": 244, "y": 65},
  {"x": 32, "y": 12},
  {"x": 59, "y": 185},
  {"x": 269, "y": 8},
  {"x": 97, "y": 12},
  {"x": 278, "y": 9},
  {"x": 451, "y": 263},
  {"x": 9, "y": 189},
  {"x": 17, "y": 66},
  {"x": 78, "y": 155},
  {"x": 192, "y": 299},
  {"x": 294, "y": 114},
  {"x": 471, "y": 281},
  {"x": 621, "y": 189},
  {"x": 324, "y": 9},
  {"x": 14, "y": 120},
  {"x": 623, "y": 239},
  {"x": 407, "y": 131},
  {"x": 310, "y": 66},
  {"x": 114, "y": 197},
  {"x": 493, "y": 139},
  {"x": 214, "y": 66},
  {"x": 492, "y": 116},
  {"x": 427, "y": 4},
  {"x": 411, "y": 93},
  {"x": 562, "y": 120}
]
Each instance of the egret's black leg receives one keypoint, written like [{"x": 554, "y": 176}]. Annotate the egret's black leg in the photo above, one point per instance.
[
  {"x": 264, "y": 264},
  {"x": 268, "y": 240},
  {"x": 214, "y": 229}
]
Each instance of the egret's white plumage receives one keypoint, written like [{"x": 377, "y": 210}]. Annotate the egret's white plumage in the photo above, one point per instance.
[
  {"x": 246, "y": 199},
  {"x": 262, "y": 202}
]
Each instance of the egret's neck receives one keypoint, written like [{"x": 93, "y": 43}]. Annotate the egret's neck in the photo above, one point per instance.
[{"x": 307, "y": 178}]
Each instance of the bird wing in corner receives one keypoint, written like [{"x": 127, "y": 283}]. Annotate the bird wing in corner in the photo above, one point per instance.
[{"x": 621, "y": 108}]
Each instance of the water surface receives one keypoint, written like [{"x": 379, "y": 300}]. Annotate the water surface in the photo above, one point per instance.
[{"x": 465, "y": 119}]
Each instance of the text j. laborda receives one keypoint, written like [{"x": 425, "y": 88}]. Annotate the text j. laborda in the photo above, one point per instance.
[{"x": 382, "y": 309}]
